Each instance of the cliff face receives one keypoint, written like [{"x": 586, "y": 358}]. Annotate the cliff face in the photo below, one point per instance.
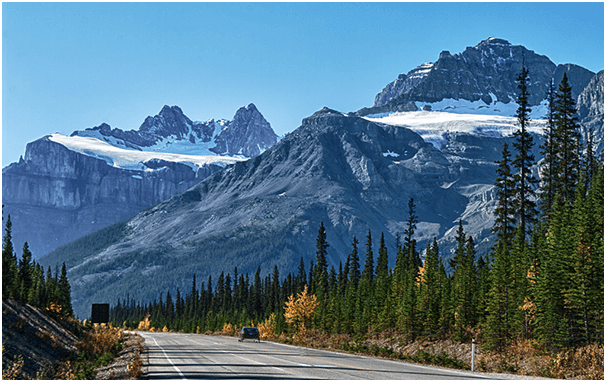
[
  {"x": 55, "y": 195},
  {"x": 486, "y": 72}
]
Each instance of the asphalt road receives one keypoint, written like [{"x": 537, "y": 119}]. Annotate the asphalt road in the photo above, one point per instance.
[{"x": 195, "y": 356}]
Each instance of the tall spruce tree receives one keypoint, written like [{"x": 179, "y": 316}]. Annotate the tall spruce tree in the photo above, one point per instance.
[
  {"x": 567, "y": 145},
  {"x": 321, "y": 267},
  {"x": 548, "y": 150},
  {"x": 524, "y": 204},
  {"x": 25, "y": 273},
  {"x": 383, "y": 283},
  {"x": 9, "y": 263}
]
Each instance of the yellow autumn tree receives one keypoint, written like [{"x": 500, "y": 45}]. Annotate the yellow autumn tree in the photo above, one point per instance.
[
  {"x": 145, "y": 324},
  {"x": 300, "y": 311}
]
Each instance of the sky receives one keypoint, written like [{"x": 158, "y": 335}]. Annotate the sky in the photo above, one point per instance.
[{"x": 71, "y": 66}]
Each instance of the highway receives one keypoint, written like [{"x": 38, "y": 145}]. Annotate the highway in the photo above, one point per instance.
[{"x": 196, "y": 356}]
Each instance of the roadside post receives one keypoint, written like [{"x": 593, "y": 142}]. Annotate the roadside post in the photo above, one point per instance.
[{"x": 473, "y": 354}]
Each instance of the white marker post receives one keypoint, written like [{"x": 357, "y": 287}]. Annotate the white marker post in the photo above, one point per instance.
[{"x": 473, "y": 354}]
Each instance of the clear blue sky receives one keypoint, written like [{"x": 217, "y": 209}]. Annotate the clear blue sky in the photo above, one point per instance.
[{"x": 69, "y": 66}]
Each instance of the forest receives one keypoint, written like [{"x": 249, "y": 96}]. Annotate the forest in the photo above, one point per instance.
[
  {"x": 24, "y": 280},
  {"x": 542, "y": 281}
]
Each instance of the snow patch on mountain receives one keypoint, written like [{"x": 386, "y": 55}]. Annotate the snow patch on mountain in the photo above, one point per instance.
[
  {"x": 435, "y": 126},
  {"x": 135, "y": 159}
]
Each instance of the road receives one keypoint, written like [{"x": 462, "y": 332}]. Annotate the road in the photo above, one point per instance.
[{"x": 196, "y": 356}]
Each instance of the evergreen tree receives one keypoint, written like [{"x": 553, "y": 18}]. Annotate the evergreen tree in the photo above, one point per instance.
[
  {"x": 430, "y": 293},
  {"x": 9, "y": 263},
  {"x": 64, "y": 290},
  {"x": 366, "y": 287},
  {"x": 25, "y": 273},
  {"x": 567, "y": 144},
  {"x": 381, "y": 314},
  {"x": 548, "y": 150},
  {"x": 523, "y": 203},
  {"x": 321, "y": 267},
  {"x": 504, "y": 183},
  {"x": 552, "y": 276}
]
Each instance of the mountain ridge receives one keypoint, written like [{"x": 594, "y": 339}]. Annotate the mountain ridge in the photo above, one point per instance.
[
  {"x": 68, "y": 186},
  {"x": 486, "y": 72}
]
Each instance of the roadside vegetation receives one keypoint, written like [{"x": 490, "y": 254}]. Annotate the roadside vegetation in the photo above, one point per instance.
[{"x": 41, "y": 338}]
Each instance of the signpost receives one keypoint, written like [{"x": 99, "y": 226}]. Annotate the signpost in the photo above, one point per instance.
[{"x": 100, "y": 314}]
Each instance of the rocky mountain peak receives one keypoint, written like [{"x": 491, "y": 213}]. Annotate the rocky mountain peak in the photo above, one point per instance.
[
  {"x": 486, "y": 72},
  {"x": 493, "y": 41},
  {"x": 248, "y": 134},
  {"x": 170, "y": 121}
]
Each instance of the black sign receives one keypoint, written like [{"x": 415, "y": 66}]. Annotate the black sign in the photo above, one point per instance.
[{"x": 100, "y": 313}]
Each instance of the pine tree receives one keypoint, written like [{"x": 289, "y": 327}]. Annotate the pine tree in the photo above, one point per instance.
[
  {"x": 25, "y": 273},
  {"x": 523, "y": 204},
  {"x": 504, "y": 183},
  {"x": 499, "y": 305},
  {"x": 366, "y": 287},
  {"x": 548, "y": 150},
  {"x": 381, "y": 314},
  {"x": 320, "y": 286},
  {"x": 9, "y": 263},
  {"x": 430, "y": 293},
  {"x": 567, "y": 141},
  {"x": 552, "y": 321}
]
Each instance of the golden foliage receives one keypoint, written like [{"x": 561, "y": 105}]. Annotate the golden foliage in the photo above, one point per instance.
[
  {"x": 589, "y": 360},
  {"x": 267, "y": 328},
  {"x": 300, "y": 311},
  {"x": 100, "y": 340},
  {"x": 54, "y": 308},
  {"x": 421, "y": 277},
  {"x": 164, "y": 329},
  {"x": 145, "y": 324},
  {"x": 229, "y": 329},
  {"x": 13, "y": 370}
]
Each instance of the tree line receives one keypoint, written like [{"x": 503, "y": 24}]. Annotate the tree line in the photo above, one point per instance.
[{"x": 24, "y": 280}]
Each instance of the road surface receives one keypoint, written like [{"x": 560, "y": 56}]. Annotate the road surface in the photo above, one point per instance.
[{"x": 196, "y": 356}]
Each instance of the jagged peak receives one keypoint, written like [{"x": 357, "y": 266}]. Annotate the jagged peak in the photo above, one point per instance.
[
  {"x": 251, "y": 107},
  {"x": 170, "y": 110},
  {"x": 493, "y": 41},
  {"x": 326, "y": 111}
]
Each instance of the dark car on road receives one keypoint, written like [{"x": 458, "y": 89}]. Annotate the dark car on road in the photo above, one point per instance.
[{"x": 249, "y": 332}]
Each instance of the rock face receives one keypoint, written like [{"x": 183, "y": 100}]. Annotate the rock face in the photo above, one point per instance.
[
  {"x": 486, "y": 72},
  {"x": 248, "y": 134},
  {"x": 56, "y": 194},
  {"x": 590, "y": 109}
]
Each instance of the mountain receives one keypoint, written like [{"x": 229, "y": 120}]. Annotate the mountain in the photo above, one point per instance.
[
  {"x": 349, "y": 172},
  {"x": 247, "y": 135},
  {"x": 353, "y": 172},
  {"x": 485, "y": 74},
  {"x": 66, "y": 187}
]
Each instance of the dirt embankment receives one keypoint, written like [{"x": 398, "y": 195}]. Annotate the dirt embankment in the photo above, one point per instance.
[
  {"x": 35, "y": 346},
  {"x": 30, "y": 333}
]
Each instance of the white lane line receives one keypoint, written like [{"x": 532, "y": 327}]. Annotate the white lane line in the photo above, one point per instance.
[
  {"x": 169, "y": 360},
  {"x": 259, "y": 363}
]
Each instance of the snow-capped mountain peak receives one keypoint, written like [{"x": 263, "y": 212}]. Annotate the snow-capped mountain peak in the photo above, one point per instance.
[{"x": 171, "y": 131}]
